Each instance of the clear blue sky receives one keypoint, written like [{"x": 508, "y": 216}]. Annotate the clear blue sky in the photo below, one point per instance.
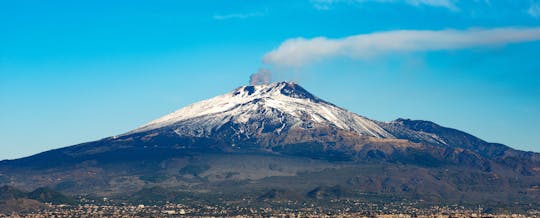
[{"x": 76, "y": 71}]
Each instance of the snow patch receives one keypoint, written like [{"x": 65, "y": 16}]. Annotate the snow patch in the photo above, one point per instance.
[{"x": 265, "y": 104}]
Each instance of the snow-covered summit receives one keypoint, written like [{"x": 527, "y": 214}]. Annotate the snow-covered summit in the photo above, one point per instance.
[{"x": 273, "y": 107}]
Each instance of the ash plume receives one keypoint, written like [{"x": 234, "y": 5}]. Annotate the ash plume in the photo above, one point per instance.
[{"x": 263, "y": 76}]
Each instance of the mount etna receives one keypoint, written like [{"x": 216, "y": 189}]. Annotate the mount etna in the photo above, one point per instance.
[{"x": 276, "y": 142}]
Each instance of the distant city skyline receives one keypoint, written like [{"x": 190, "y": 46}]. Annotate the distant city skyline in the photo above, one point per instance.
[{"x": 72, "y": 72}]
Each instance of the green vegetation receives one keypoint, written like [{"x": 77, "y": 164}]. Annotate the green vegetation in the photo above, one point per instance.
[
  {"x": 154, "y": 178},
  {"x": 48, "y": 195},
  {"x": 8, "y": 192},
  {"x": 15, "y": 200}
]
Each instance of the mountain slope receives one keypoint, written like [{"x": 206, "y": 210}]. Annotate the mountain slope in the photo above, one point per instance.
[
  {"x": 259, "y": 137},
  {"x": 420, "y": 131},
  {"x": 15, "y": 200},
  {"x": 274, "y": 108}
]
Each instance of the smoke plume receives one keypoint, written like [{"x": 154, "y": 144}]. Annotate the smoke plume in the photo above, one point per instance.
[{"x": 262, "y": 76}]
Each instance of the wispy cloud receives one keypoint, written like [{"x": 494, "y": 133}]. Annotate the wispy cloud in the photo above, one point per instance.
[
  {"x": 534, "y": 10},
  {"x": 326, "y": 4},
  {"x": 434, "y": 3},
  {"x": 238, "y": 15},
  {"x": 299, "y": 51}
]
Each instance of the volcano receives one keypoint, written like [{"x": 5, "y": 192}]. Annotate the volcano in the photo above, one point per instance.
[{"x": 279, "y": 136}]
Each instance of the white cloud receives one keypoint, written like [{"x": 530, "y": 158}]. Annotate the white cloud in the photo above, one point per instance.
[
  {"x": 434, "y": 3},
  {"x": 326, "y": 4},
  {"x": 534, "y": 10},
  {"x": 300, "y": 51},
  {"x": 237, "y": 15}
]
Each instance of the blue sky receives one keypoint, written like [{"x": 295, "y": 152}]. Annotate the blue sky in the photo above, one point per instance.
[{"x": 76, "y": 71}]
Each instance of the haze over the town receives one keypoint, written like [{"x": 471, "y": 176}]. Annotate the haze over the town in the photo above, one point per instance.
[{"x": 72, "y": 72}]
